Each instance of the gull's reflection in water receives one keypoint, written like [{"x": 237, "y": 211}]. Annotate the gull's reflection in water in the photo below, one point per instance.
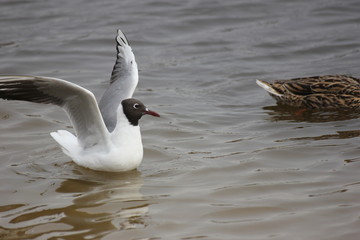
[
  {"x": 104, "y": 202},
  {"x": 87, "y": 205}
]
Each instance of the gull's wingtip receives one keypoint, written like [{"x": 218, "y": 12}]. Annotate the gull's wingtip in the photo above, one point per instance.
[
  {"x": 119, "y": 32},
  {"x": 121, "y": 37}
]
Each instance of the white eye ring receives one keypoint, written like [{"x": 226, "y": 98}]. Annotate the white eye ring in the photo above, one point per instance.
[{"x": 136, "y": 106}]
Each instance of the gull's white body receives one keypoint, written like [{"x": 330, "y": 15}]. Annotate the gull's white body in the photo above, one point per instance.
[
  {"x": 122, "y": 150},
  {"x": 105, "y": 139}
]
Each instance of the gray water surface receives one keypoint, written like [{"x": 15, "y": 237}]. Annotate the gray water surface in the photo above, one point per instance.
[{"x": 223, "y": 161}]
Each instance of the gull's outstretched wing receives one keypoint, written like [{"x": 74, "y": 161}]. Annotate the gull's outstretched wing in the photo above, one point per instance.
[
  {"x": 124, "y": 79},
  {"x": 79, "y": 103}
]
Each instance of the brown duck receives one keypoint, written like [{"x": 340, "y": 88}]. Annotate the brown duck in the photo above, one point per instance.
[{"x": 329, "y": 92}]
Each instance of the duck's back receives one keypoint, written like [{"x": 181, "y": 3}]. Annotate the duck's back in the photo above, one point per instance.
[{"x": 318, "y": 92}]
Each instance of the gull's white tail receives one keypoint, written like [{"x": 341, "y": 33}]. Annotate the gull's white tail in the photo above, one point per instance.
[{"x": 67, "y": 141}]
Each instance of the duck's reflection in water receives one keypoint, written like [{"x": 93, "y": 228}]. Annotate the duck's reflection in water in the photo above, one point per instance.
[{"x": 287, "y": 113}]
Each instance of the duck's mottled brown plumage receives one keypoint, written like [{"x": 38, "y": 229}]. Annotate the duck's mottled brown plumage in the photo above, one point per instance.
[{"x": 329, "y": 92}]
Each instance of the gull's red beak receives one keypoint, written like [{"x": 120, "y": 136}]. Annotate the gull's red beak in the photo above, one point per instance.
[{"x": 152, "y": 113}]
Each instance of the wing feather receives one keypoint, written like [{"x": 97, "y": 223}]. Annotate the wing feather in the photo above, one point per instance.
[
  {"x": 79, "y": 103},
  {"x": 124, "y": 79}
]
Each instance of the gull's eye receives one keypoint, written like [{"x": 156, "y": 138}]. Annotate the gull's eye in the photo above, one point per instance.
[{"x": 136, "y": 106}]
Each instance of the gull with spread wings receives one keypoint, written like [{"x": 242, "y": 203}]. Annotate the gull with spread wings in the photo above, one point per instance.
[{"x": 107, "y": 134}]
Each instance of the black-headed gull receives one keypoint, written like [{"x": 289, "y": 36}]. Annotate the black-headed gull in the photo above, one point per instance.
[{"x": 107, "y": 135}]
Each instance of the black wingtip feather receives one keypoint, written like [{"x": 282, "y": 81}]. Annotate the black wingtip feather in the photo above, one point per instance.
[{"x": 26, "y": 90}]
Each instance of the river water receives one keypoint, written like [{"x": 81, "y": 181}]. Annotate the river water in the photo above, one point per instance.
[{"x": 223, "y": 161}]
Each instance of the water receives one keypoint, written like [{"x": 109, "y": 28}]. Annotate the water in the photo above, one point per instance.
[{"x": 223, "y": 161}]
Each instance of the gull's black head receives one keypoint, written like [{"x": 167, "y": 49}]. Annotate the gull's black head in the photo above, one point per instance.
[{"x": 134, "y": 109}]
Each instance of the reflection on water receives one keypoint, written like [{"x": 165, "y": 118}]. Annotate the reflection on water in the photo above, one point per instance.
[
  {"x": 286, "y": 113},
  {"x": 91, "y": 205},
  {"x": 338, "y": 135}
]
